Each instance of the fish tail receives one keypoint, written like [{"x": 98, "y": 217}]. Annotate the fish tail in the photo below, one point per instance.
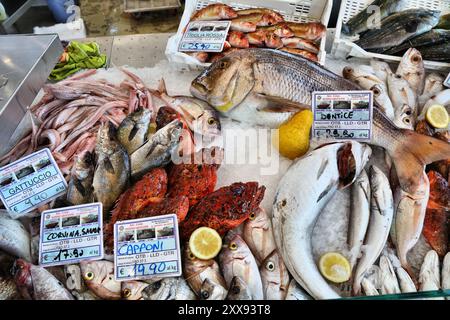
[{"x": 413, "y": 153}]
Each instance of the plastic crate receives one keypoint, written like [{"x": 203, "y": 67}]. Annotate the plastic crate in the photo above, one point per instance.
[
  {"x": 292, "y": 11},
  {"x": 344, "y": 47}
]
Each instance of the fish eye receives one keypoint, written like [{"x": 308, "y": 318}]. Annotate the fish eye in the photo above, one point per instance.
[
  {"x": 408, "y": 112},
  {"x": 398, "y": 76},
  {"x": 205, "y": 295},
  {"x": 376, "y": 92},
  {"x": 252, "y": 216},
  {"x": 416, "y": 59},
  {"x": 407, "y": 120},
  {"x": 233, "y": 246},
  {"x": 270, "y": 266},
  {"x": 222, "y": 64},
  {"x": 89, "y": 276},
  {"x": 191, "y": 256},
  {"x": 126, "y": 293},
  {"x": 236, "y": 290},
  {"x": 157, "y": 285},
  {"x": 211, "y": 121}
]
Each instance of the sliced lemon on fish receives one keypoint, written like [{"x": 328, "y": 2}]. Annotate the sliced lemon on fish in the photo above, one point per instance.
[
  {"x": 205, "y": 243},
  {"x": 335, "y": 267},
  {"x": 437, "y": 116}
]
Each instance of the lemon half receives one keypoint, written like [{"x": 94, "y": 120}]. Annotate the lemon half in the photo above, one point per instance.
[
  {"x": 205, "y": 243},
  {"x": 437, "y": 116},
  {"x": 335, "y": 267}
]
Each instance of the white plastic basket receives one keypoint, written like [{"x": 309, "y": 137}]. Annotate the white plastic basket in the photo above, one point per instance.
[
  {"x": 343, "y": 46},
  {"x": 292, "y": 10}
]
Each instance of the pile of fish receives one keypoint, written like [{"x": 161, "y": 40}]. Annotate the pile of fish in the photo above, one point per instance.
[
  {"x": 261, "y": 27},
  {"x": 400, "y": 29},
  {"x": 386, "y": 205}
]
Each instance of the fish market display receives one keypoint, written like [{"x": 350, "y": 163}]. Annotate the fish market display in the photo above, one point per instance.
[{"x": 261, "y": 27}]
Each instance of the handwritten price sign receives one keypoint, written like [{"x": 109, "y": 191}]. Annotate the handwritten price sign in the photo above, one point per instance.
[{"x": 207, "y": 36}]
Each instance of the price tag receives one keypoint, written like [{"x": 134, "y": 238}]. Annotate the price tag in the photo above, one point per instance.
[
  {"x": 147, "y": 247},
  {"x": 30, "y": 182},
  {"x": 71, "y": 234},
  {"x": 447, "y": 81},
  {"x": 208, "y": 36},
  {"x": 342, "y": 115}
]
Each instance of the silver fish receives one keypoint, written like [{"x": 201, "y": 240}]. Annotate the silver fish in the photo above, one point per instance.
[
  {"x": 275, "y": 277},
  {"x": 113, "y": 167},
  {"x": 133, "y": 131},
  {"x": 238, "y": 290},
  {"x": 369, "y": 288},
  {"x": 80, "y": 188},
  {"x": 173, "y": 288},
  {"x": 99, "y": 278},
  {"x": 295, "y": 292},
  {"x": 405, "y": 281},
  {"x": 412, "y": 69},
  {"x": 200, "y": 117},
  {"x": 433, "y": 85},
  {"x": 381, "y": 213},
  {"x": 389, "y": 282},
  {"x": 157, "y": 151},
  {"x": 236, "y": 259},
  {"x": 196, "y": 271},
  {"x": 401, "y": 95},
  {"x": 298, "y": 203},
  {"x": 381, "y": 69},
  {"x": 409, "y": 219},
  {"x": 381, "y": 96},
  {"x": 446, "y": 272},
  {"x": 429, "y": 276},
  {"x": 258, "y": 235},
  {"x": 35, "y": 282},
  {"x": 14, "y": 239},
  {"x": 359, "y": 215}
]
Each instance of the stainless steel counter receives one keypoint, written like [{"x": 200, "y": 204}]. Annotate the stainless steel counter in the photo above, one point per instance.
[{"x": 25, "y": 63}]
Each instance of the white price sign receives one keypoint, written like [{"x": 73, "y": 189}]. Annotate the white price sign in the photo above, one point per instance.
[{"x": 207, "y": 36}]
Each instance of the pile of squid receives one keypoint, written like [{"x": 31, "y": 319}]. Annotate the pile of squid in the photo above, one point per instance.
[{"x": 262, "y": 28}]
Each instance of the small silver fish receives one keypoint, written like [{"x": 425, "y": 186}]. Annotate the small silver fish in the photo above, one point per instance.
[
  {"x": 133, "y": 131},
  {"x": 429, "y": 276},
  {"x": 173, "y": 288},
  {"x": 14, "y": 239},
  {"x": 132, "y": 290},
  {"x": 238, "y": 290}
]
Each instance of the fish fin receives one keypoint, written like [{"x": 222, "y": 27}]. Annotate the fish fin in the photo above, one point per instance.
[
  {"x": 162, "y": 86},
  {"x": 415, "y": 151},
  {"x": 108, "y": 166},
  {"x": 133, "y": 133},
  {"x": 282, "y": 105}
]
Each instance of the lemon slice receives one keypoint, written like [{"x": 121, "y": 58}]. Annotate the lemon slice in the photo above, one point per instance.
[
  {"x": 335, "y": 267},
  {"x": 437, "y": 116},
  {"x": 205, "y": 243}
]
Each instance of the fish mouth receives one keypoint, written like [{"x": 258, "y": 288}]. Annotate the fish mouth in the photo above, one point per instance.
[{"x": 199, "y": 90}]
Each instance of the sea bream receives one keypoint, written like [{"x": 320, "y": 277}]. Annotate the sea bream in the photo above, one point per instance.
[
  {"x": 99, "y": 278},
  {"x": 236, "y": 259},
  {"x": 412, "y": 69},
  {"x": 274, "y": 276},
  {"x": 298, "y": 204},
  {"x": 258, "y": 235}
]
